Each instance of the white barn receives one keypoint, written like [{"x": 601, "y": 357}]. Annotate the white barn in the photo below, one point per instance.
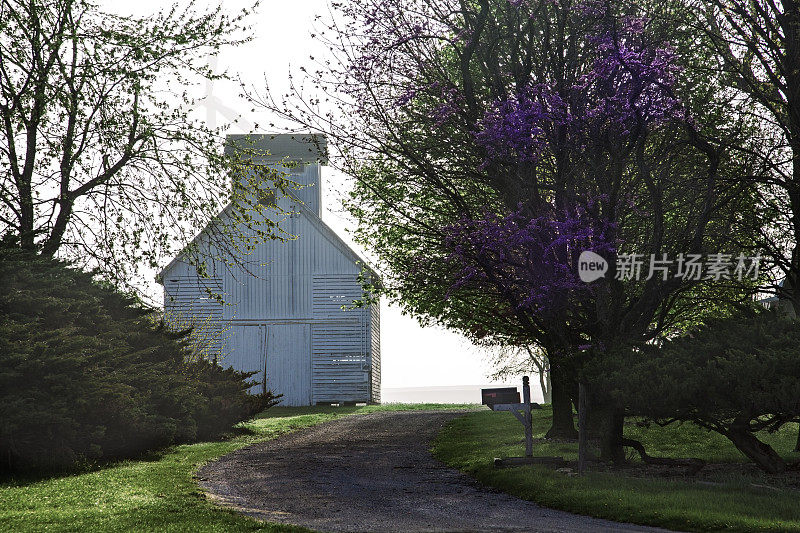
[{"x": 286, "y": 322}]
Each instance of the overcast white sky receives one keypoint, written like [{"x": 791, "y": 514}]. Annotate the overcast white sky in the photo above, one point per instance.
[{"x": 411, "y": 356}]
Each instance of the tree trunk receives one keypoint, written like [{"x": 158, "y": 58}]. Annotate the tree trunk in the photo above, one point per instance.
[
  {"x": 760, "y": 453},
  {"x": 611, "y": 442},
  {"x": 605, "y": 425},
  {"x": 563, "y": 424},
  {"x": 547, "y": 386},
  {"x": 797, "y": 445},
  {"x": 583, "y": 434}
]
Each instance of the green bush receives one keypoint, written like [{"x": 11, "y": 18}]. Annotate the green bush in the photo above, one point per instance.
[
  {"x": 736, "y": 376},
  {"x": 225, "y": 398},
  {"x": 86, "y": 374}
]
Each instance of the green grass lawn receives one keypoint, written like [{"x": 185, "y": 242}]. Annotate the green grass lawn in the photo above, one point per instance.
[
  {"x": 722, "y": 501},
  {"x": 155, "y": 493}
]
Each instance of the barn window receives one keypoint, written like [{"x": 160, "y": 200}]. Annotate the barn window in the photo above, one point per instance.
[
  {"x": 198, "y": 297},
  {"x": 334, "y": 295}
]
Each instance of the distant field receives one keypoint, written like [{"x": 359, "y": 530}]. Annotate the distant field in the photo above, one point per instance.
[{"x": 445, "y": 394}]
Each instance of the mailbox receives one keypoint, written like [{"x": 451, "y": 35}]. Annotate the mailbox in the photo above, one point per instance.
[{"x": 500, "y": 395}]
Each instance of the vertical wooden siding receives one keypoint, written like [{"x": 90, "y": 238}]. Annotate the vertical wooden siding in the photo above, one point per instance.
[
  {"x": 247, "y": 352},
  {"x": 289, "y": 362}
]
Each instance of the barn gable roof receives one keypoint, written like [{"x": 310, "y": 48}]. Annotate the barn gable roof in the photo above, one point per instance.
[
  {"x": 325, "y": 230},
  {"x": 335, "y": 240}
]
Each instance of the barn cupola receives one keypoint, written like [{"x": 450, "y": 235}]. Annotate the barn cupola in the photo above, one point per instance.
[{"x": 298, "y": 155}]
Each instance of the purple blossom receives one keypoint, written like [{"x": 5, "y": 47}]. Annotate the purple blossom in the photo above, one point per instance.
[
  {"x": 629, "y": 87},
  {"x": 517, "y": 127},
  {"x": 627, "y": 91},
  {"x": 406, "y": 97},
  {"x": 451, "y": 103},
  {"x": 592, "y": 8},
  {"x": 531, "y": 260}
]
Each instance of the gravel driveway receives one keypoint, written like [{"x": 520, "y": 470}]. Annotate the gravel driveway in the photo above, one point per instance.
[{"x": 373, "y": 473}]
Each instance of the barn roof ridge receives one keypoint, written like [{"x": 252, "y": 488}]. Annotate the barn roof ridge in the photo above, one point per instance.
[{"x": 302, "y": 147}]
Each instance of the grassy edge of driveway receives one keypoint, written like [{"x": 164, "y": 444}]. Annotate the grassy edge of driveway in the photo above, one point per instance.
[
  {"x": 737, "y": 503},
  {"x": 157, "y": 492}
]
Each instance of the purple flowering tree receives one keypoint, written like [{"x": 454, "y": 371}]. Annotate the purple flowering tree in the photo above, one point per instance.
[
  {"x": 530, "y": 264},
  {"x": 531, "y": 260},
  {"x": 491, "y": 142}
]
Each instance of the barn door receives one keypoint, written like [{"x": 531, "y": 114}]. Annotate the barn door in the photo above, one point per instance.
[
  {"x": 289, "y": 362},
  {"x": 247, "y": 353}
]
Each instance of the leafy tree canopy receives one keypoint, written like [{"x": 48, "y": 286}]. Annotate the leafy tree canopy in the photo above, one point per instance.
[{"x": 101, "y": 160}]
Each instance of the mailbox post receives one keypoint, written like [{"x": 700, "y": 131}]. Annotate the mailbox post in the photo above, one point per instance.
[
  {"x": 522, "y": 412},
  {"x": 526, "y": 406}
]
